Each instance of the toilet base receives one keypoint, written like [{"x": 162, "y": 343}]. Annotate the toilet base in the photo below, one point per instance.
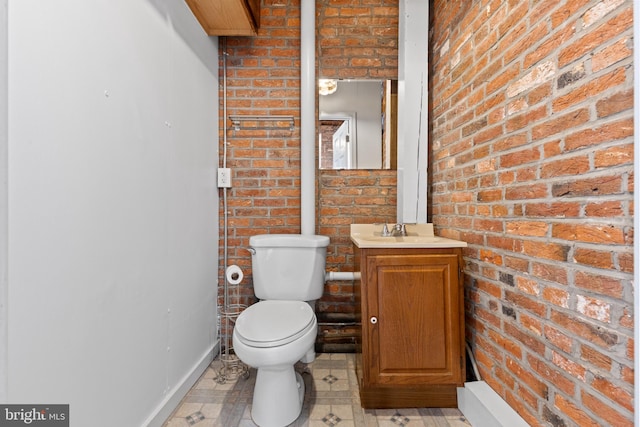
[
  {"x": 280, "y": 408},
  {"x": 309, "y": 357}
]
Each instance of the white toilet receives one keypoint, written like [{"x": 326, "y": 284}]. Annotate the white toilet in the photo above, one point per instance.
[{"x": 281, "y": 329}]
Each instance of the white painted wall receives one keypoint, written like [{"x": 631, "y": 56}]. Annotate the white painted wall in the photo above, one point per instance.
[
  {"x": 4, "y": 259},
  {"x": 112, "y": 206}
]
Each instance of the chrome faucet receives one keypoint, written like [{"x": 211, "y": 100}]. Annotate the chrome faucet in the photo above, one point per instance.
[{"x": 397, "y": 230}]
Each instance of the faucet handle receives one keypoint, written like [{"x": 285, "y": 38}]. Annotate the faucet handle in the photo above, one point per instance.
[
  {"x": 399, "y": 229},
  {"x": 385, "y": 230}
]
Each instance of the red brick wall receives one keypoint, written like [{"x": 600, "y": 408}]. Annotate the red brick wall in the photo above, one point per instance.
[
  {"x": 532, "y": 165},
  {"x": 356, "y": 39},
  {"x": 263, "y": 78}
]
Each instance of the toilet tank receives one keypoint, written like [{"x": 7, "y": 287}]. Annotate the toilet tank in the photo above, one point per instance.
[{"x": 288, "y": 266}]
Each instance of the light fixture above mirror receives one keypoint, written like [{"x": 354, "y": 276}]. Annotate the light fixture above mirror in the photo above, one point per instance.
[{"x": 327, "y": 86}]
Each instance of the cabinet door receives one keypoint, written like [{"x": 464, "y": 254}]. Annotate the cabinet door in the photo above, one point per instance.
[{"x": 415, "y": 335}]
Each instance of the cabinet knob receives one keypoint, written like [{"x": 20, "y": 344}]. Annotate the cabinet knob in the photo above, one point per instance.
[{"x": 373, "y": 320}]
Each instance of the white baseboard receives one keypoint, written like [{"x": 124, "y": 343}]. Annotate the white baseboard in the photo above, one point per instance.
[
  {"x": 180, "y": 390},
  {"x": 483, "y": 407}
]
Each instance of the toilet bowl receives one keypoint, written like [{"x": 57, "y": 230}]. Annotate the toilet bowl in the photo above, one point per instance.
[{"x": 272, "y": 336}]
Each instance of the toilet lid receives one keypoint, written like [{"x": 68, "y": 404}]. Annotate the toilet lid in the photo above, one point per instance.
[{"x": 274, "y": 323}]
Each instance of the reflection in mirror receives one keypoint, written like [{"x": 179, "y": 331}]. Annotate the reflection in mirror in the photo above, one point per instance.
[{"x": 357, "y": 124}]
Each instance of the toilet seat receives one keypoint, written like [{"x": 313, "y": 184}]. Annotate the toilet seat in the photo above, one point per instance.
[{"x": 274, "y": 323}]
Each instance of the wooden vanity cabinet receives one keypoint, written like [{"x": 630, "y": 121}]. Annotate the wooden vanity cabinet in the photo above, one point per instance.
[
  {"x": 227, "y": 17},
  {"x": 411, "y": 352}
]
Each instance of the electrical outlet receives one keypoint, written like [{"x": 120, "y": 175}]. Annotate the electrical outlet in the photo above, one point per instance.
[{"x": 224, "y": 178}]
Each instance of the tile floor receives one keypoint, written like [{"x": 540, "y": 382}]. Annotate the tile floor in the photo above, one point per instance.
[{"x": 331, "y": 399}]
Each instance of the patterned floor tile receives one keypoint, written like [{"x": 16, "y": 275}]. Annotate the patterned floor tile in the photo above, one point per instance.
[
  {"x": 186, "y": 409},
  {"x": 331, "y": 400},
  {"x": 195, "y": 418}
]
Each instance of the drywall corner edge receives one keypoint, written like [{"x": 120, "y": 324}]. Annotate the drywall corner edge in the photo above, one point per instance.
[{"x": 175, "y": 396}]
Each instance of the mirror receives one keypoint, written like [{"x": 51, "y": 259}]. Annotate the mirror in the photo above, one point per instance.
[{"x": 357, "y": 126}]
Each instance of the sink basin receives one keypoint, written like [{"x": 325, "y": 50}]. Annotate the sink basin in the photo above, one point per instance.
[
  {"x": 400, "y": 239},
  {"x": 418, "y": 236}
]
